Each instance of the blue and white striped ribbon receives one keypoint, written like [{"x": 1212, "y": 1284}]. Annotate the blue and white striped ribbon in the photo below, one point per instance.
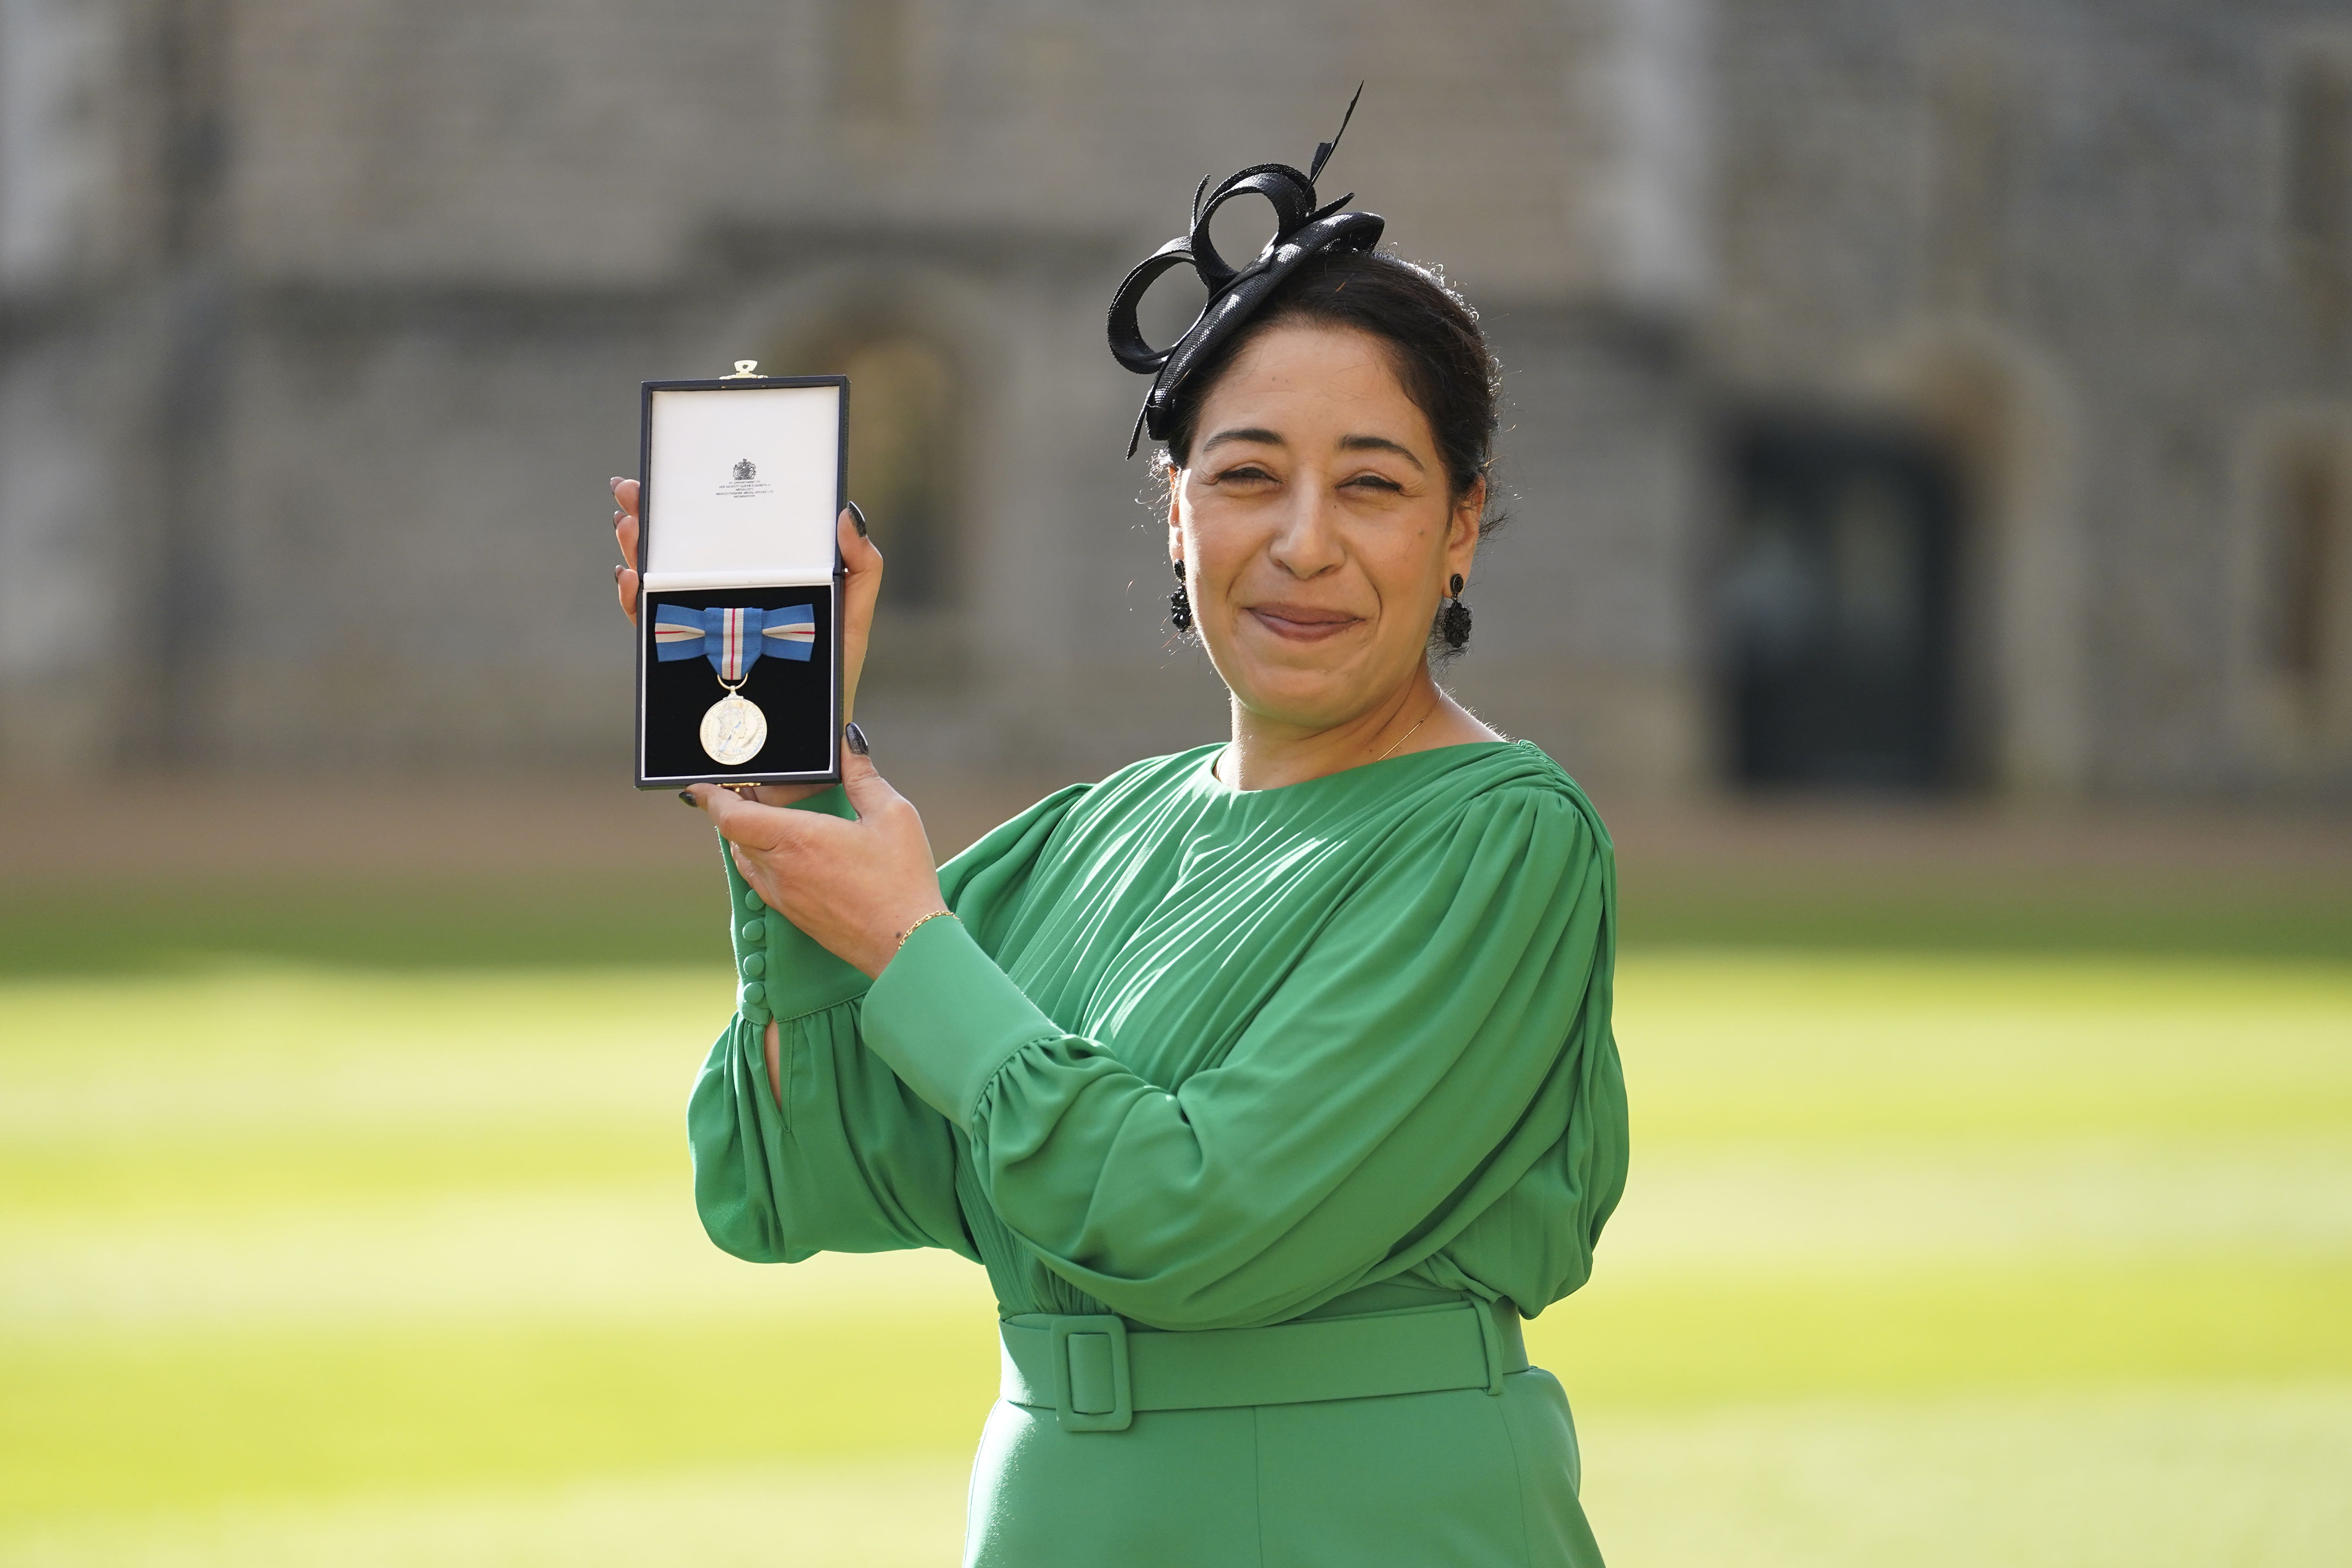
[{"x": 732, "y": 640}]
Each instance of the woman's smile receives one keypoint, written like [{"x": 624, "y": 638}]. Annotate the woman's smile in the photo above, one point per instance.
[{"x": 1301, "y": 623}]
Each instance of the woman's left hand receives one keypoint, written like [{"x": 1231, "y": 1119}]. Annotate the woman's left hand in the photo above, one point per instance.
[{"x": 855, "y": 886}]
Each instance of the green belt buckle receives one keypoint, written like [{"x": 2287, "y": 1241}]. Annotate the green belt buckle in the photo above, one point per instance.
[{"x": 1092, "y": 1389}]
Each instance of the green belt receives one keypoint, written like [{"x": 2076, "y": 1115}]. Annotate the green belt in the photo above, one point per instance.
[{"x": 1095, "y": 1374}]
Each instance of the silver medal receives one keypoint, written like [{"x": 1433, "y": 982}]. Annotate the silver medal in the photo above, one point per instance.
[{"x": 734, "y": 731}]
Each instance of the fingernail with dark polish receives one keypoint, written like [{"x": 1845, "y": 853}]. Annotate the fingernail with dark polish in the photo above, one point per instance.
[
  {"x": 612, "y": 483},
  {"x": 857, "y": 521},
  {"x": 857, "y": 739},
  {"x": 617, "y": 570},
  {"x": 687, "y": 796}
]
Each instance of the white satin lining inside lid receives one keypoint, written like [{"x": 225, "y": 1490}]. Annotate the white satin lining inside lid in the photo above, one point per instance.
[{"x": 682, "y": 581}]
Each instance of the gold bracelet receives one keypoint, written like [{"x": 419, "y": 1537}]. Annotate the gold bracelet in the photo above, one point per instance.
[{"x": 934, "y": 915}]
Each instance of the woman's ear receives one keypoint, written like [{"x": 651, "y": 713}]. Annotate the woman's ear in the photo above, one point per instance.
[
  {"x": 1173, "y": 476},
  {"x": 1462, "y": 529}
]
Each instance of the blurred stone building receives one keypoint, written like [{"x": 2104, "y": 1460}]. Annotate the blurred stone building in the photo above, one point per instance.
[{"x": 1918, "y": 393}]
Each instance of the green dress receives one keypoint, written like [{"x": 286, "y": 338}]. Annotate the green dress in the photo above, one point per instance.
[{"x": 1212, "y": 1060}]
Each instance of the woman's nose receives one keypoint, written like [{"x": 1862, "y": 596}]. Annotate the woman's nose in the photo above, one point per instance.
[{"x": 1307, "y": 543}]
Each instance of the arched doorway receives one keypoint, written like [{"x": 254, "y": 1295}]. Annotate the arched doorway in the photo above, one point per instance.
[
  {"x": 904, "y": 455},
  {"x": 1837, "y": 606}
]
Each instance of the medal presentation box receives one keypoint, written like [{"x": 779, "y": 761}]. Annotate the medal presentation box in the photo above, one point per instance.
[{"x": 739, "y": 622}]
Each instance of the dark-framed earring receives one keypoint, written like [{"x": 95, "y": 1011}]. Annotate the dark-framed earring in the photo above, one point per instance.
[
  {"x": 1179, "y": 603},
  {"x": 1453, "y": 621}
]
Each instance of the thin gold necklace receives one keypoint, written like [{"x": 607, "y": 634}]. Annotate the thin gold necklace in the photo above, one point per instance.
[{"x": 1400, "y": 740}]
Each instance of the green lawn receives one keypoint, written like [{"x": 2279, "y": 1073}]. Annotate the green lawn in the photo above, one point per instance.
[{"x": 1926, "y": 1260}]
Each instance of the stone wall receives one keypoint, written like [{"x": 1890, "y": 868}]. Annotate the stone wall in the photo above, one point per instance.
[
  {"x": 320, "y": 326},
  {"x": 2053, "y": 236}
]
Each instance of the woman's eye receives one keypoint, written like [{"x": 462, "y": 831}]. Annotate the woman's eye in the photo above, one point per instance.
[
  {"x": 1246, "y": 473},
  {"x": 1375, "y": 482}
]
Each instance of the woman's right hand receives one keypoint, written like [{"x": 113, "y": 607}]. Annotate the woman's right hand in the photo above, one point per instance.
[{"x": 861, "y": 585}]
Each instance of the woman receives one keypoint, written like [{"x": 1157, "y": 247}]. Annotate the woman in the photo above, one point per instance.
[{"x": 1273, "y": 1081}]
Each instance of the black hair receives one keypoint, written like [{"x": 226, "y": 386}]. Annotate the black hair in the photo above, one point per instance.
[{"x": 1435, "y": 345}]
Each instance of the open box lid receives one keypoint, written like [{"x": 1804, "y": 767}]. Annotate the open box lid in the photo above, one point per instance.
[{"x": 743, "y": 484}]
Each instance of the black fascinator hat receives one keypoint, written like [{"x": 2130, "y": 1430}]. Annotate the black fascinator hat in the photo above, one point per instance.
[{"x": 1301, "y": 229}]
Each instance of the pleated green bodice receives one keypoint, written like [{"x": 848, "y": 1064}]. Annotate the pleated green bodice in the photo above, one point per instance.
[{"x": 1203, "y": 1057}]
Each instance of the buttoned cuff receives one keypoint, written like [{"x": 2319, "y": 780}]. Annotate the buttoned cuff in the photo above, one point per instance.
[
  {"x": 947, "y": 1019},
  {"x": 781, "y": 972}
]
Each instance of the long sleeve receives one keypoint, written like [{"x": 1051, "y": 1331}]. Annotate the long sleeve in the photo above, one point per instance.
[
  {"x": 1443, "y": 1036},
  {"x": 852, "y": 1159}
]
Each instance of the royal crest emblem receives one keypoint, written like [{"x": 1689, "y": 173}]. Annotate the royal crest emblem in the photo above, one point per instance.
[{"x": 746, "y": 471}]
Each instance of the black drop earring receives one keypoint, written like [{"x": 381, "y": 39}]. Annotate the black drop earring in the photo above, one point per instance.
[
  {"x": 1453, "y": 621},
  {"x": 1179, "y": 603}
]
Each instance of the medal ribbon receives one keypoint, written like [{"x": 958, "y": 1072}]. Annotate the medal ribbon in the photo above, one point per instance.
[{"x": 733, "y": 639}]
